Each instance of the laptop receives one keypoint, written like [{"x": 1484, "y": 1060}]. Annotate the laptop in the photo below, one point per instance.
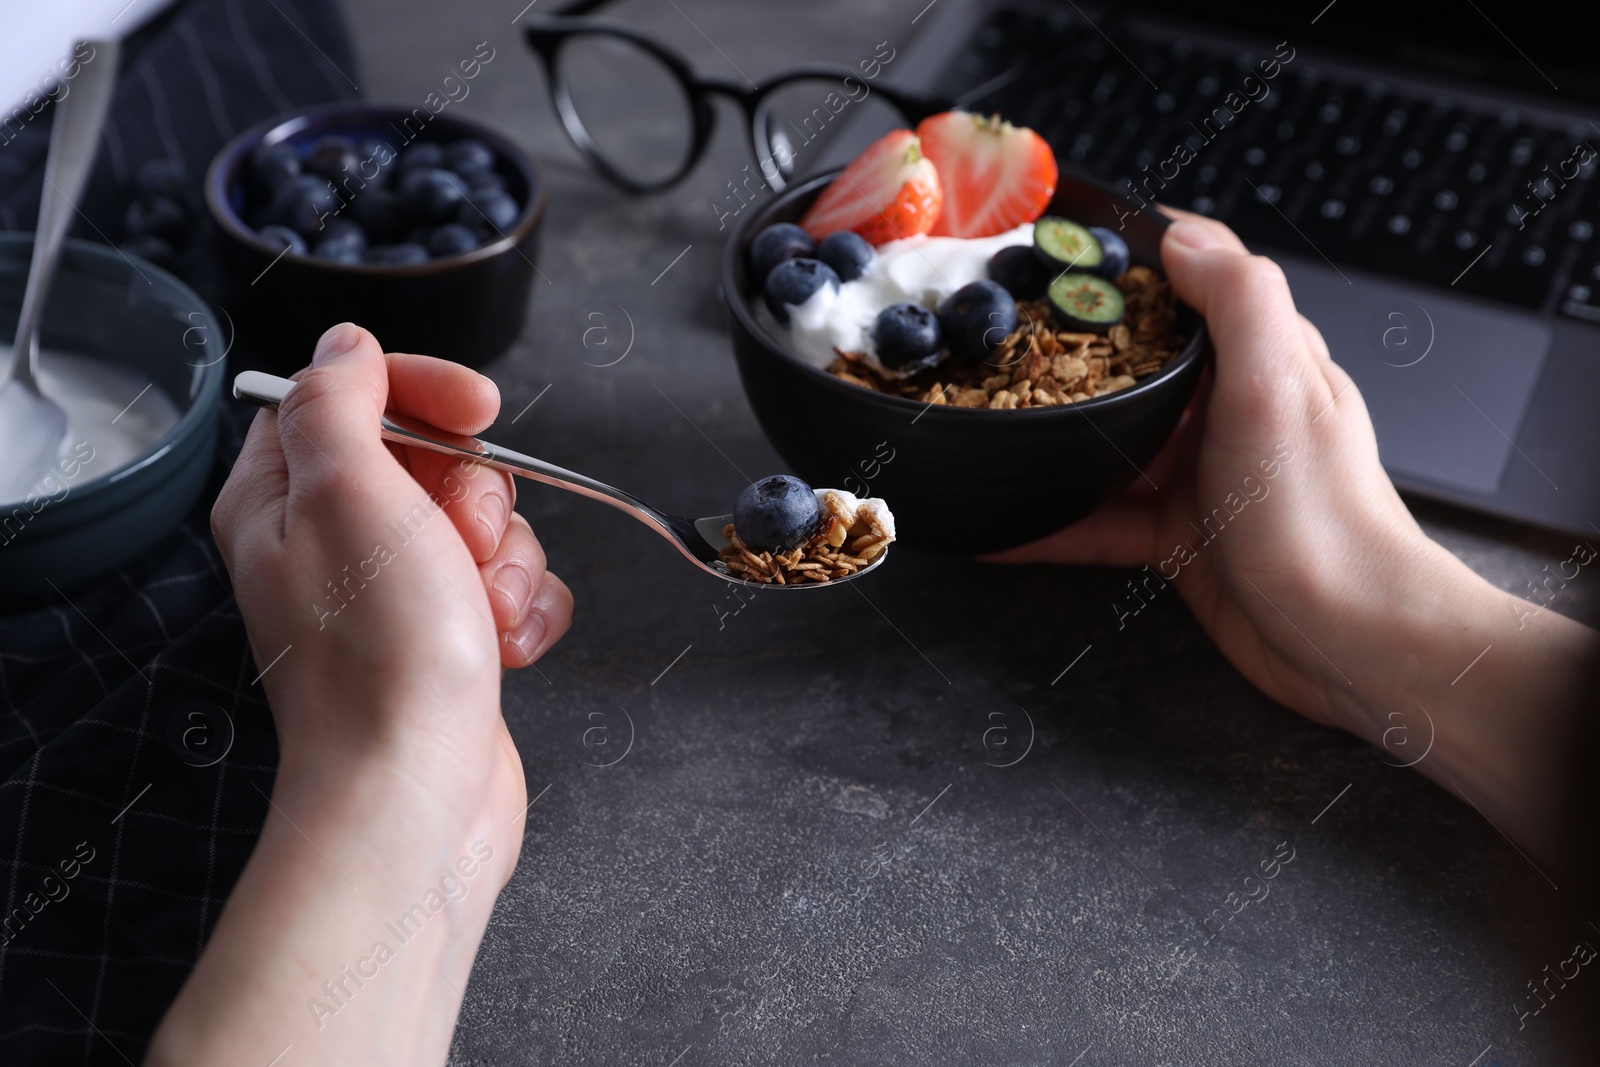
[{"x": 1428, "y": 175}]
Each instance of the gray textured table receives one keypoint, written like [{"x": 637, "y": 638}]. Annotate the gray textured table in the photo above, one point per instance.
[{"x": 802, "y": 848}]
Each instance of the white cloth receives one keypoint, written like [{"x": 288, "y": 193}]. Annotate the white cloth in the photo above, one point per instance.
[{"x": 39, "y": 35}]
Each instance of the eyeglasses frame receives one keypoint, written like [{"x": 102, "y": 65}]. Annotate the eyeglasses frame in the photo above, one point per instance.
[{"x": 546, "y": 34}]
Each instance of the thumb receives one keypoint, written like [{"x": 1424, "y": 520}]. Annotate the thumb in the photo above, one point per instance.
[
  {"x": 1264, "y": 364},
  {"x": 328, "y": 424}
]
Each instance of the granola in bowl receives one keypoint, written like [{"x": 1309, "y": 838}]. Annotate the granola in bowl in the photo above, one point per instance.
[{"x": 1043, "y": 363}]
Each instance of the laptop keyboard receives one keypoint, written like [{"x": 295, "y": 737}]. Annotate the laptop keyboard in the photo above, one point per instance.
[{"x": 1430, "y": 189}]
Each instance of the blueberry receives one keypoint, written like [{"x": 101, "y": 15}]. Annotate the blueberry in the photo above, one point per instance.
[
  {"x": 405, "y": 253},
  {"x": 1080, "y": 301},
  {"x": 282, "y": 237},
  {"x": 156, "y": 216},
  {"x": 273, "y": 164},
  {"x": 337, "y": 251},
  {"x": 162, "y": 177},
  {"x": 773, "y": 245},
  {"x": 976, "y": 317},
  {"x": 907, "y": 336},
  {"x": 1116, "y": 253},
  {"x": 489, "y": 211},
  {"x": 468, "y": 157},
  {"x": 380, "y": 213},
  {"x": 421, "y": 154},
  {"x": 378, "y": 151},
  {"x": 334, "y": 157},
  {"x": 776, "y": 514},
  {"x": 793, "y": 282},
  {"x": 431, "y": 194},
  {"x": 847, "y": 252},
  {"x": 485, "y": 179},
  {"x": 451, "y": 239},
  {"x": 301, "y": 202},
  {"x": 343, "y": 232},
  {"x": 1020, "y": 271},
  {"x": 151, "y": 249}
]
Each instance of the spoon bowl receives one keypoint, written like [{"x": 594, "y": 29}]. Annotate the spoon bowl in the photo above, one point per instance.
[{"x": 699, "y": 540}]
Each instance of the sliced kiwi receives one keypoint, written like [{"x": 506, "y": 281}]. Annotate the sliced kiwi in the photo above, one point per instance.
[
  {"x": 1064, "y": 245},
  {"x": 1086, "y": 302}
]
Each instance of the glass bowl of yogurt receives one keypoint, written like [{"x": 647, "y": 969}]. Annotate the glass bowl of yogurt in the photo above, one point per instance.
[
  {"x": 963, "y": 480},
  {"x": 137, "y": 361}
]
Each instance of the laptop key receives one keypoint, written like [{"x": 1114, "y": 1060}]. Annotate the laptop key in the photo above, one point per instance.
[
  {"x": 1582, "y": 302},
  {"x": 1508, "y": 272}
]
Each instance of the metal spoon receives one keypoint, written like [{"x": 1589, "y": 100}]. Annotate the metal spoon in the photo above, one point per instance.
[
  {"x": 701, "y": 540},
  {"x": 32, "y": 426}
]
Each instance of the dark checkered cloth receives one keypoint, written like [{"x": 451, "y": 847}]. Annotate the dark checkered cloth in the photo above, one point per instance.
[{"x": 135, "y": 748}]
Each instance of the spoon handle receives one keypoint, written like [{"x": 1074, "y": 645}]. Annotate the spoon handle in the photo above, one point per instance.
[
  {"x": 74, "y": 139},
  {"x": 268, "y": 391}
]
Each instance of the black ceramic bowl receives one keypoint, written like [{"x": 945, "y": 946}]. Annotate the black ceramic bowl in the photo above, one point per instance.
[
  {"x": 468, "y": 308},
  {"x": 105, "y": 305},
  {"x": 961, "y": 480}
]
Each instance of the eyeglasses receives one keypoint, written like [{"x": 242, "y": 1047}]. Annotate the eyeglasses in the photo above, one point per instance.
[{"x": 643, "y": 118}]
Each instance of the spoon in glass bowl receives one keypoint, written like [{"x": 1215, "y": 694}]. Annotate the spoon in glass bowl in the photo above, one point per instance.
[
  {"x": 32, "y": 426},
  {"x": 700, "y": 540}
]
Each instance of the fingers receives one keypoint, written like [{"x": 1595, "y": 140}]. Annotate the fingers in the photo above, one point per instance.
[
  {"x": 478, "y": 499},
  {"x": 532, "y": 607},
  {"x": 1239, "y": 294},
  {"x": 457, "y": 400},
  {"x": 513, "y": 574},
  {"x": 548, "y": 618},
  {"x": 1222, "y": 235},
  {"x": 452, "y": 397},
  {"x": 1264, "y": 359},
  {"x": 328, "y": 424},
  {"x": 255, "y": 487}
]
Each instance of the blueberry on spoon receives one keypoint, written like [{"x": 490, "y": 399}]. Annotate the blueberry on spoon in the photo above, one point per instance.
[{"x": 776, "y": 514}]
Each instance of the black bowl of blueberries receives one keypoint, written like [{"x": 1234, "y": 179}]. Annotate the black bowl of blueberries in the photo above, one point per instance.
[
  {"x": 425, "y": 234},
  {"x": 958, "y": 480}
]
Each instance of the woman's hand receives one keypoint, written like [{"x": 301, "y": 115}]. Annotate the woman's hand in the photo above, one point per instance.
[
  {"x": 1273, "y": 518},
  {"x": 394, "y": 577},
  {"x": 384, "y": 590},
  {"x": 1269, "y": 509}
]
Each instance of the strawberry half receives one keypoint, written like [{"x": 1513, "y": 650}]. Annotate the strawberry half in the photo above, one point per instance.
[
  {"x": 888, "y": 192},
  {"x": 995, "y": 176}
]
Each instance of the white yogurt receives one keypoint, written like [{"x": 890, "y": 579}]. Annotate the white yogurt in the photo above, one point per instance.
[
  {"x": 113, "y": 413},
  {"x": 918, "y": 270}
]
